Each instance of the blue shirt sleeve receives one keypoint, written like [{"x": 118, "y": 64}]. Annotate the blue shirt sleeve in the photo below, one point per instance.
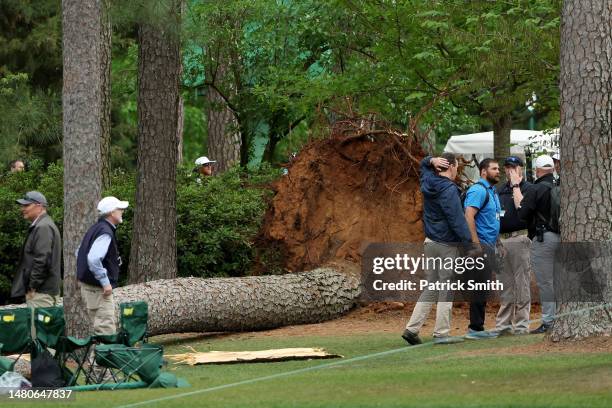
[
  {"x": 475, "y": 196},
  {"x": 96, "y": 254}
]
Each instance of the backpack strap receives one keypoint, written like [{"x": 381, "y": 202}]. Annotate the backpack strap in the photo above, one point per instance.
[{"x": 486, "y": 201}]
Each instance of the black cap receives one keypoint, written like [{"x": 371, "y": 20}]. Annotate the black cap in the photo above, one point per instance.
[
  {"x": 513, "y": 161},
  {"x": 33, "y": 197}
]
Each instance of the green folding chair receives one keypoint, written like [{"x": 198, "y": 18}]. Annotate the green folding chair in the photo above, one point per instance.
[
  {"x": 71, "y": 353},
  {"x": 15, "y": 332},
  {"x": 134, "y": 322},
  {"x": 128, "y": 364},
  {"x": 133, "y": 325},
  {"x": 6, "y": 364}
]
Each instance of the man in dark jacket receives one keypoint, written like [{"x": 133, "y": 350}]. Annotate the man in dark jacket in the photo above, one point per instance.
[
  {"x": 98, "y": 265},
  {"x": 445, "y": 230},
  {"x": 535, "y": 209},
  {"x": 515, "y": 302},
  {"x": 38, "y": 276}
]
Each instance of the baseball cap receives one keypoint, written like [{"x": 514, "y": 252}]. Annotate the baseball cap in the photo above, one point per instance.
[
  {"x": 513, "y": 161},
  {"x": 200, "y": 161},
  {"x": 544, "y": 161},
  {"x": 109, "y": 204},
  {"x": 33, "y": 197}
]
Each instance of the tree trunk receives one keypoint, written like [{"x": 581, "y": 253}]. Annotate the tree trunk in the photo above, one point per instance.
[
  {"x": 180, "y": 126},
  {"x": 502, "y": 127},
  {"x": 586, "y": 140},
  {"x": 243, "y": 304},
  {"x": 153, "y": 253},
  {"x": 83, "y": 110},
  {"x": 224, "y": 138},
  {"x": 105, "y": 120}
]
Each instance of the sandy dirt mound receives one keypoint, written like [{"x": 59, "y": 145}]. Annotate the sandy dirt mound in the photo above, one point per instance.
[{"x": 358, "y": 186}]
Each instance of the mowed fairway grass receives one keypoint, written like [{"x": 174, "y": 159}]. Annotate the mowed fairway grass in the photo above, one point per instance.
[{"x": 482, "y": 373}]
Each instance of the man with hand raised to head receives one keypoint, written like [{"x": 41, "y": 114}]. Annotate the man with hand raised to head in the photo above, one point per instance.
[{"x": 445, "y": 229}]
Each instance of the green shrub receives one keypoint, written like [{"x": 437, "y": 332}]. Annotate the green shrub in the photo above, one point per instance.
[{"x": 218, "y": 218}]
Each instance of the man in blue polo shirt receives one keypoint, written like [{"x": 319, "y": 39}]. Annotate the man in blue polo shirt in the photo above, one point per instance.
[{"x": 482, "y": 213}]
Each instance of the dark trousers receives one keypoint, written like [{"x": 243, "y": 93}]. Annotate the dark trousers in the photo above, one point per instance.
[{"x": 478, "y": 299}]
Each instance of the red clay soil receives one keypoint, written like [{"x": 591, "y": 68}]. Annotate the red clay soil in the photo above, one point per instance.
[{"x": 341, "y": 193}]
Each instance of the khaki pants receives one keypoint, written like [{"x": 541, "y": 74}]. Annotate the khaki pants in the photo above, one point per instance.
[
  {"x": 428, "y": 297},
  {"x": 515, "y": 299},
  {"x": 39, "y": 300},
  {"x": 101, "y": 309}
]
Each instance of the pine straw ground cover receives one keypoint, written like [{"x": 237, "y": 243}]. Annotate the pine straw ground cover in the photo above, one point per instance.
[{"x": 484, "y": 373}]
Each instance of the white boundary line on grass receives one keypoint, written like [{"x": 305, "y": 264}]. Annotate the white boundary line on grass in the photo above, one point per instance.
[{"x": 313, "y": 368}]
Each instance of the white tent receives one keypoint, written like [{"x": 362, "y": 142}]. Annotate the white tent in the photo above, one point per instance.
[{"x": 480, "y": 145}]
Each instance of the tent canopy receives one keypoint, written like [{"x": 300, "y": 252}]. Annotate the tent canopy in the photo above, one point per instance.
[{"x": 482, "y": 143}]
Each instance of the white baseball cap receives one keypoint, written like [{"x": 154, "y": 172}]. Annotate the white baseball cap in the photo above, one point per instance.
[
  {"x": 109, "y": 204},
  {"x": 544, "y": 161},
  {"x": 200, "y": 161}
]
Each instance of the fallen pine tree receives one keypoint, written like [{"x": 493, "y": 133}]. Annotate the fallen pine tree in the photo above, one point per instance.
[{"x": 242, "y": 304}]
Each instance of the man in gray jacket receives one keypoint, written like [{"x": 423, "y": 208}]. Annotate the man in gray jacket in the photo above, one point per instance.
[{"x": 38, "y": 276}]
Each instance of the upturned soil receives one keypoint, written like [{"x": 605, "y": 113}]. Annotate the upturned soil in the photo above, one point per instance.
[{"x": 341, "y": 193}]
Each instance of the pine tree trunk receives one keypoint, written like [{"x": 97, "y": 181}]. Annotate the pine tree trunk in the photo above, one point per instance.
[
  {"x": 224, "y": 138},
  {"x": 153, "y": 253},
  {"x": 586, "y": 140},
  {"x": 105, "y": 140},
  {"x": 242, "y": 304},
  {"x": 180, "y": 126},
  {"x": 83, "y": 110}
]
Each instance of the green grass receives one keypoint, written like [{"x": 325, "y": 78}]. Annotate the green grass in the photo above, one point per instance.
[{"x": 463, "y": 375}]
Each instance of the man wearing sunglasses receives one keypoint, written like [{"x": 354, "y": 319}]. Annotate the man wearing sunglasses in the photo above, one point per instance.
[
  {"x": 513, "y": 314},
  {"x": 204, "y": 166}
]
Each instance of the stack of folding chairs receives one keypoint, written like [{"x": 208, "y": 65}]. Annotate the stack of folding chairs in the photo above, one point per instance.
[{"x": 97, "y": 362}]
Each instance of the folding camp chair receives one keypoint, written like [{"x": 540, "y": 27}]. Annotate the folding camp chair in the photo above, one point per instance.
[
  {"x": 134, "y": 323},
  {"x": 71, "y": 353},
  {"x": 6, "y": 364},
  {"x": 125, "y": 364},
  {"x": 116, "y": 353},
  {"x": 15, "y": 333}
]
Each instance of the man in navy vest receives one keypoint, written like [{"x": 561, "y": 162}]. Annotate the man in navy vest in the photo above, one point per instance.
[{"x": 98, "y": 265}]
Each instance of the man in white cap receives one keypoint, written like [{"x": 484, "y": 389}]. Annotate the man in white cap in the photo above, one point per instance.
[
  {"x": 557, "y": 160},
  {"x": 98, "y": 265},
  {"x": 540, "y": 209},
  {"x": 204, "y": 166}
]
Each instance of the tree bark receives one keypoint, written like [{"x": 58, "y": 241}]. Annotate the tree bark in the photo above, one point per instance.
[
  {"x": 242, "y": 304},
  {"x": 153, "y": 253},
  {"x": 586, "y": 140},
  {"x": 83, "y": 110},
  {"x": 180, "y": 126},
  {"x": 224, "y": 139},
  {"x": 105, "y": 120},
  {"x": 502, "y": 126}
]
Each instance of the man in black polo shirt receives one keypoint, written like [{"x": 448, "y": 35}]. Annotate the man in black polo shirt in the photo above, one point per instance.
[
  {"x": 535, "y": 209},
  {"x": 513, "y": 314}
]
